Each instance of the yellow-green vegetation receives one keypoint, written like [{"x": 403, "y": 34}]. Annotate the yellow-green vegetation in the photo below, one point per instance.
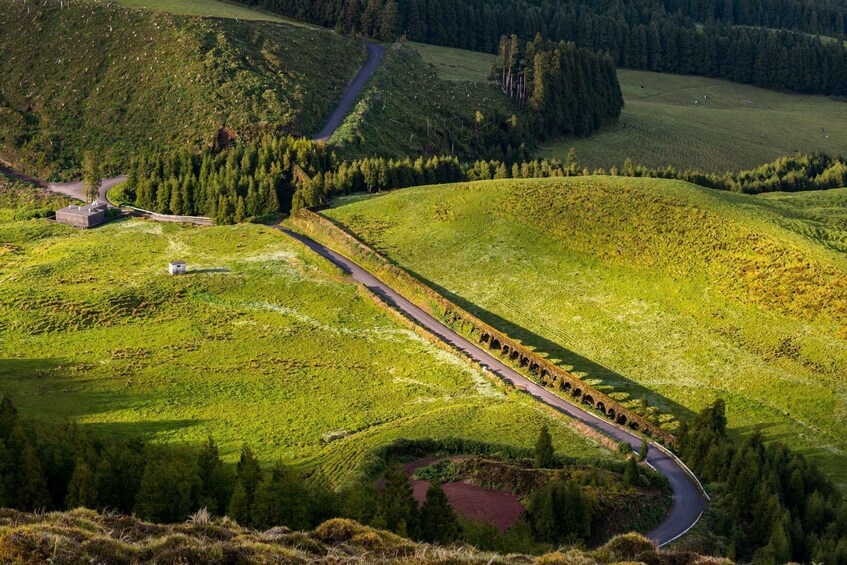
[
  {"x": 262, "y": 342},
  {"x": 83, "y": 536},
  {"x": 737, "y": 127},
  {"x": 212, "y": 9},
  {"x": 652, "y": 290},
  {"x": 456, "y": 64},
  {"x": 409, "y": 109},
  {"x": 120, "y": 80}
]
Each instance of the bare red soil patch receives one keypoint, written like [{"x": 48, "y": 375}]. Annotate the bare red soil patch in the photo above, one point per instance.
[{"x": 498, "y": 507}]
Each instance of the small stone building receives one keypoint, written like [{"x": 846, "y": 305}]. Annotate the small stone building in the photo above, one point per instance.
[
  {"x": 86, "y": 216},
  {"x": 176, "y": 267}
]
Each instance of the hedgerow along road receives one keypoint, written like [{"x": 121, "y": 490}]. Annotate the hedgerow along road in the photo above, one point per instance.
[{"x": 689, "y": 500}]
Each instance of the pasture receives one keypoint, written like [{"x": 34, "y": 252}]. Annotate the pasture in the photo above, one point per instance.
[
  {"x": 210, "y": 8},
  {"x": 262, "y": 342},
  {"x": 737, "y": 127},
  {"x": 656, "y": 292}
]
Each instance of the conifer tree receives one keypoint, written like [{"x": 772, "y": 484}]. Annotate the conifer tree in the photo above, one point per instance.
[
  {"x": 438, "y": 522},
  {"x": 397, "y": 509},
  {"x": 92, "y": 174},
  {"x": 82, "y": 489},
  {"x": 544, "y": 454}
]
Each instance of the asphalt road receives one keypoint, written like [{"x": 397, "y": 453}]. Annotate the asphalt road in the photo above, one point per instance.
[
  {"x": 375, "y": 53},
  {"x": 688, "y": 502},
  {"x": 77, "y": 189}
]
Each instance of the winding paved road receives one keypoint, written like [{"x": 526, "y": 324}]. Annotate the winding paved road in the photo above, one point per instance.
[
  {"x": 688, "y": 501},
  {"x": 375, "y": 53},
  {"x": 77, "y": 189}
]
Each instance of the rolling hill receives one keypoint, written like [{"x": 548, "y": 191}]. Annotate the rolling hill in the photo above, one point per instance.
[
  {"x": 663, "y": 294},
  {"x": 244, "y": 348},
  {"x": 117, "y": 79}
]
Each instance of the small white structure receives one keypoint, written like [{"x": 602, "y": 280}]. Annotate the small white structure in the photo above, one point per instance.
[{"x": 176, "y": 267}]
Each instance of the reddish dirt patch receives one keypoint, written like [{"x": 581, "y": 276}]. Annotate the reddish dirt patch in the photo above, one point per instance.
[{"x": 497, "y": 507}]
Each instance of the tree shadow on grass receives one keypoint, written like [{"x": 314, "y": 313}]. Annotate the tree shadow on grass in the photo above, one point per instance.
[
  {"x": 41, "y": 390},
  {"x": 610, "y": 381}
]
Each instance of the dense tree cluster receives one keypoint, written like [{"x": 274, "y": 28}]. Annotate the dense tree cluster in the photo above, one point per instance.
[
  {"x": 560, "y": 513},
  {"x": 251, "y": 180},
  {"x": 65, "y": 467},
  {"x": 775, "y": 506},
  {"x": 638, "y": 34},
  {"x": 274, "y": 174},
  {"x": 563, "y": 89},
  {"x": 817, "y": 17}
]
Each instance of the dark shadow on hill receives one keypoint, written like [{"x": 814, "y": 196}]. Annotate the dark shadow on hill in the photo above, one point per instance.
[{"x": 602, "y": 378}]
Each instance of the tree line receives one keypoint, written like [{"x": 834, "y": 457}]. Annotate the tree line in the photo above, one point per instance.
[
  {"x": 817, "y": 17},
  {"x": 282, "y": 174},
  {"x": 563, "y": 90},
  {"x": 774, "y": 505},
  {"x": 638, "y": 34}
]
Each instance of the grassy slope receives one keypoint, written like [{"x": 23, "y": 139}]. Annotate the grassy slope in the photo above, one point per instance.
[
  {"x": 649, "y": 289},
  {"x": 211, "y": 9},
  {"x": 120, "y": 79},
  {"x": 267, "y": 346},
  {"x": 84, "y": 536},
  {"x": 738, "y": 127},
  {"x": 407, "y": 109}
]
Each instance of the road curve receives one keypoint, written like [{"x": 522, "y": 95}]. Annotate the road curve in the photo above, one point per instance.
[
  {"x": 688, "y": 502},
  {"x": 77, "y": 189},
  {"x": 375, "y": 53}
]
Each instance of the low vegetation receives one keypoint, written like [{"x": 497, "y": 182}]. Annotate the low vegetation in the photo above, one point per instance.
[
  {"x": 649, "y": 289},
  {"x": 83, "y": 536},
  {"x": 96, "y": 332},
  {"x": 119, "y": 80},
  {"x": 407, "y": 110}
]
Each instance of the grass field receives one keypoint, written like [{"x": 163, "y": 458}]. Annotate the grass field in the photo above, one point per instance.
[
  {"x": 262, "y": 343},
  {"x": 122, "y": 80},
  {"x": 649, "y": 289},
  {"x": 212, "y": 9},
  {"x": 737, "y": 127}
]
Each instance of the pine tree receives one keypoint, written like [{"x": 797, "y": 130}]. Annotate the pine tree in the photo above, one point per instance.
[
  {"x": 239, "y": 505},
  {"x": 438, "y": 522},
  {"x": 92, "y": 174},
  {"x": 215, "y": 491},
  {"x": 544, "y": 454},
  {"x": 280, "y": 500},
  {"x": 170, "y": 486},
  {"x": 82, "y": 489},
  {"x": 397, "y": 509},
  {"x": 643, "y": 450},
  {"x": 630, "y": 476}
]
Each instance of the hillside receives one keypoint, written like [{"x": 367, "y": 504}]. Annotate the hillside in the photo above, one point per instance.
[
  {"x": 118, "y": 79},
  {"x": 83, "y": 536},
  {"x": 408, "y": 109},
  {"x": 737, "y": 127},
  {"x": 655, "y": 291},
  {"x": 96, "y": 332}
]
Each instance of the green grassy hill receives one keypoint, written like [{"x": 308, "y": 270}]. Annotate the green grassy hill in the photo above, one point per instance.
[
  {"x": 262, "y": 343},
  {"x": 737, "y": 127},
  {"x": 649, "y": 289},
  {"x": 118, "y": 79},
  {"x": 409, "y": 109}
]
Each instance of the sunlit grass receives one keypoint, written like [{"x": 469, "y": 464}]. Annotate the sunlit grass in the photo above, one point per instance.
[{"x": 649, "y": 289}]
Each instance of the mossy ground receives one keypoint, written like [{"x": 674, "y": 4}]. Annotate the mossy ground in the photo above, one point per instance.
[{"x": 652, "y": 290}]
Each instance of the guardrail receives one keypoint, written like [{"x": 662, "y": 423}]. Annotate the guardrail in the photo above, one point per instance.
[
  {"x": 523, "y": 359},
  {"x": 199, "y": 220}
]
